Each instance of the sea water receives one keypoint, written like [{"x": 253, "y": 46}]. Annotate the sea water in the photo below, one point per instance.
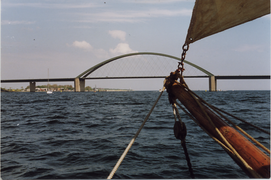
[{"x": 82, "y": 135}]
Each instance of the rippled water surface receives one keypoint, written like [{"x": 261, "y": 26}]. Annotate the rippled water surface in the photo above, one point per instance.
[{"x": 82, "y": 135}]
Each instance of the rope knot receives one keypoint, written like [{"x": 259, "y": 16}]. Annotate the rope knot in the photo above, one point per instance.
[{"x": 170, "y": 80}]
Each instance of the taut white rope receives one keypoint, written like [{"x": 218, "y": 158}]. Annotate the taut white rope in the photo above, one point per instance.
[{"x": 133, "y": 140}]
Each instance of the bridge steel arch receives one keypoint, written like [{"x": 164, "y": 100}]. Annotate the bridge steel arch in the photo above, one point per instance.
[
  {"x": 94, "y": 68},
  {"x": 79, "y": 82}
]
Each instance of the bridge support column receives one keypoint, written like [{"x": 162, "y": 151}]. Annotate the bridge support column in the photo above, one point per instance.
[
  {"x": 212, "y": 83},
  {"x": 32, "y": 86},
  {"x": 79, "y": 85}
]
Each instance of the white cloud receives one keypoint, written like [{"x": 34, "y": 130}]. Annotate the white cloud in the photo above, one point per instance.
[
  {"x": 247, "y": 48},
  {"x": 82, "y": 45},
  {"x": 7, "y": 22},
  {"x": 117, "y": 34},
  {"x": 99, "y": 53},
  {"x": 131, "y": 16},
  {"x": 165, "y": 12},
  {"x": 52, "y": 5},
  {"x": 159, "y": 1},
  {"x": 121, "y": 48}
]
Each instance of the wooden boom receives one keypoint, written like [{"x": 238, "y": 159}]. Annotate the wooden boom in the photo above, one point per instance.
[{"x": 253, "y": 156}]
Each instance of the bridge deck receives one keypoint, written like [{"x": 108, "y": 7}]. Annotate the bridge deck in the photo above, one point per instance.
[
  {"x": 37, "y": 80},
  {"x": 134, "y": 77},
  {"x": 244, "y": 77}
]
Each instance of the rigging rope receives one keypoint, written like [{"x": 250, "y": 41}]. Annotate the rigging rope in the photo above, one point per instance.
[
  {"x": 213, "y": 107},
  {"x": 237, "y": 127},
  {"x": 235, "y": 153},
  {"x": 133, "y": 140},
  {"x": 225, "y": 144},
  {"x": 195, "y": 120}
]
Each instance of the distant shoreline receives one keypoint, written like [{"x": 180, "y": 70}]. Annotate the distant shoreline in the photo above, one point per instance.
[{"x": 96, "y": 90}]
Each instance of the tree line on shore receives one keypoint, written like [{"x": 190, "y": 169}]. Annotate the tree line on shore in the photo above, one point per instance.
[{"x": 54, "y": 87}]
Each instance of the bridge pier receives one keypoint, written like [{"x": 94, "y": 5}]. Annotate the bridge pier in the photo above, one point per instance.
[
  {"x": 32, "y": 86},
  {"x": 212, "y": 83},
  {"x": 79, "y": 85}
]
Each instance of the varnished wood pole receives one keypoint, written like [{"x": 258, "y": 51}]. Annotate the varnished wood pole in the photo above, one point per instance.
[{"x": 254, "y": 157}]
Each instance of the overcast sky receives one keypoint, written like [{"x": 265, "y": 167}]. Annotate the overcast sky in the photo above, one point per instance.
[{"x": 70, "y": 36}]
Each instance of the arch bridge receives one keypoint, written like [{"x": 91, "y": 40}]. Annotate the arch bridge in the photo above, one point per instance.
[{"x": 79, "y": 82}]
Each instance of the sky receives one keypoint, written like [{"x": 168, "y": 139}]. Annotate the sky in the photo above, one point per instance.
[{"x": 68, "y": 37}]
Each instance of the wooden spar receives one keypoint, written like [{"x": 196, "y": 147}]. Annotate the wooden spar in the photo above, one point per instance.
[{"x": 253, "y": 156}]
